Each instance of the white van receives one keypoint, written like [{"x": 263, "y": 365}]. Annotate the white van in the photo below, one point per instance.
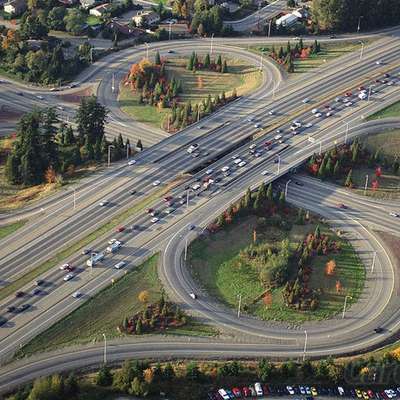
[
  {"x": 257, "y": 387},
  {"x": 223, "y": 394},
  {"x": 120, "y": 265}
]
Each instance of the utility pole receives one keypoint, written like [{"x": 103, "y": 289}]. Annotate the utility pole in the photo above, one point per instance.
[
  {"x": 105, "y": 349},
  {"x": 211, "y": 44},
  {"x": 186, "y": 246},
  {"x": 169, "y": 31},
  {"x": 305, "y": 345},
  {"x": 110, "y": 146},
  {"x": 362, "y": 50},
  {"x": 113, "y": 83},
  {"x": 269, "y": 28},
  {"x": 366, "y": 185},
  {"x": 286, "y": 187},
  {"x": 345, "y": 304},
  {"x": 373, "y": 263},
  {"x": 239, "y": 304},
  {"x": 359, "y": 21}
]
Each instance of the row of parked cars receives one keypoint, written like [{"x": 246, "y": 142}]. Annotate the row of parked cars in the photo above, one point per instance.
[{"x": 309, "y": 392}]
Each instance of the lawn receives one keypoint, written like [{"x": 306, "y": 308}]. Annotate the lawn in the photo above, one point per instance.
[
  {"x": 196, "y": 87},
  {"x": 92, "y": 20},
  {"x": 214, "y": 264},
  {"x": 329, "y": 51},
  {"x": 390, "y": 111},
  {"x": 106, "y": 310},
  {"x": 11, "y": 228}
]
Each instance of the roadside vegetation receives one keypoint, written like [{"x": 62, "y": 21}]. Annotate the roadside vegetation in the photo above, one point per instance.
[
  {"x": 110, "y": 311},
  {"x": 11, "y": 228},
  {"x": 283, "y": 263},
  {"x": 374, "y": 161},
  {"x": 387, "y": 112},
  {"x": 173, "y": 93}
]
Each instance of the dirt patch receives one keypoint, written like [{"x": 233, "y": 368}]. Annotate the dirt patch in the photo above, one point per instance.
[
  {"x": 76, "y": 96},
  {"x": 8, "y": 114}
]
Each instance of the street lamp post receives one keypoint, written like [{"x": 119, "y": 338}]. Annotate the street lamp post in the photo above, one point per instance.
[
  {"x": 110, "y": 146},
  {"x": 113, "y": 83},
  {"x": 305, "y": 345},
  {"x": 373, "y": 263},
  {"x": 359, "y": 22},
  {"x": 239, "y": 304},
  {"x": 211, "y": 44},
  {"x": 105, "y": 349},
  {"x": 279, "y": 163},
  {"x": 345, "y": 304},
  {"x": 169, "y": 30},
  {"x": 362, "y": 50},
  {"x": 366, "y": 185},
  {"x": 286, "y": 187},
  {"x": 186, "y": 247}
]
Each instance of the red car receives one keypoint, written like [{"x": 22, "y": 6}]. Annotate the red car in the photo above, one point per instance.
[
  {"x": 361, "y": 88},
  {"x": 70, "y": 268},
  {"x": 120, "y": 229},
  {"x": 168, "y": 198},
  {"x": 149, "y": 210},
  {"x": 348, "y": 94},
  {"x": 246, "y": 391},
  {"x": 236, "y": 392}
]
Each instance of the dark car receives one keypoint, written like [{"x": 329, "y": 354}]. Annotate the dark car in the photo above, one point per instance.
[
  {"x": 24, "y": 307},
  {"x": 132, "y": 192},
  {"x": 378, "y": 330},
  {"x": 85, "y": 251},
  {"x": 299, "y": 183},
  {"x": 39, "y": 282},
  {"x": 343, "y": 206},
  {"x": 20, "y": 294},
  {"x": 37, "y": 292},
  {"x": 11, "y": 309},
  {"x": 3, "y": 320}
]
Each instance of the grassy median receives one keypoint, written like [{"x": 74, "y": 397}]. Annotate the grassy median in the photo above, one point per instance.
[
  {"x": 105, "y": 311},
  {"x": 11, "y": 228},
  {"x": 387, "y": 112}
]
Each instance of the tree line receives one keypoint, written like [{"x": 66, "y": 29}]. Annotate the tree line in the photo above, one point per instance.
[
  {"x": 47, "y": 149},
  {"x": 195, "y": 63}
]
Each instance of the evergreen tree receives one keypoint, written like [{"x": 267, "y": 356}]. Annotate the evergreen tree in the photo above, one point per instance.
[
  {"x": 270, "y": 193},
  {"x": 336, "y": 168},
  {"x": 157, "y": 59},
  {"x": 224, "y": 68},
  {"x": 138, "y": 327},
  {"x": 207, "y": 61},
  {"x": 317, "y": 232},
  {"x": 98, "y": 154},
  {"x": 139, "y": 145},
  {"x": 348, "y": 182},
  {"x": 248, "y": 201},
  {"x": 104, "y": 376},
  {"x": 219, "y": 63}
]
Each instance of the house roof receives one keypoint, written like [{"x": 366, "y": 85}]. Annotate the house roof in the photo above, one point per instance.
[
  {"x": 125, "y": 29},
  {"x": 102, "y": 7}
]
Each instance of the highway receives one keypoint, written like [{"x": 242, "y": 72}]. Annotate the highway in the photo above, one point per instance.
[{"x": 252, "y": 124}]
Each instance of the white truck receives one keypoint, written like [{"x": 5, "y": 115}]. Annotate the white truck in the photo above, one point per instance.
[
  {"x": 94, "y": 259},
  {"x": 114, "y": 247}
]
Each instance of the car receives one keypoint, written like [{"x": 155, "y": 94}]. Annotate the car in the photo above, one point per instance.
[
  {"x": 237, "y": 161},
  {"x": 24, "y": 307},
  {"x": 193, "y": 296},
  {"x": 225, "y": 168},
  {"x": 36, "y": 292},
  {"x": 265, "y": 172},
  {"x": 156, "y": 183},
  {"x": 64, "y": 267},
  {"x": 223, "y": 394},
  {"x": 315, "y": 110},
  {"x": 112, "y": 241},
  {"x": 306, "y": 100},
  {"x": 73, "y": 85},
  {"x": 68, "y": 277},
  {"x": 271, "y": 112},
  {"x": 39, "y": 282},
  {"x": 341, "y": 391},
  {"x": 132, "y": 192},
  {"x": 169, "y": 210},
  {"x": 154, "y": 220},
  {"x": 54, "y": 89},
  {"x": 103, "y": 203},
  {"x": 329, "y": 114},
  {"x": 191, "y": 227},
  {"x": 378, "y": 329},
  {"x": 359, "y": 393},
  {"x": 318, "y": 115},
  {"x": 61, "y": 108},
  {"x": 290, "y": 390},
  {"x": 120, "y": 265},
  {"x": 20, "y": 294},
  {"x": 298, "y": 183},
  {"x": 302, "y": 390},
  {"x": 11, "y": 309},
  {"x": 209, "y": 171},
  {"x": 348, "y": 94},
  {"x": 257, "y": 126},
  {"x": 348, "y": 104},
  {"x": 195, "y": 154},
  {"x": 250, "y": 118},
  {"x": 314, "y": 391},
  {"x": 20, "y": 94},
  {"x": 252, "y": 146},
  {"x": 246, "y": 391},
  {"x": 294, "y": 133},
  {"x": 253, "y": 391},
  {"x": 121, "y": 229},
  {"x": 3, "y": 320},
  {"x": 257, "y": 154},
  {"x": 386, "y": 75},
  {"x": 40, "y": 97},
  {"x": 196, "y": 186},
  {"x": 308, "y": 125},
  {"x": 370, "y": 393},
  {"x": 343, "y": 206},
  {"x": 277, "y": 137},
  {"x": 76, "y": 294},
  {"x": 85, "y": 251},
  {"x": 170, "y": 51},
  {"x": 131, "y": 162},
  {"x": 378, "y": 62},
  {"x": 308, "y": 391},
  {"x": 236, "y": 392},
  {"x": 242, "y": 164},
  {"x": 258, "y": 389},
  {"x": 394, "y": 214}
]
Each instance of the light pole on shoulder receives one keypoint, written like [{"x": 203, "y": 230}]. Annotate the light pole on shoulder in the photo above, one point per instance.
[
  {"x": 211, "y": 44},
  {"x": 110, "y": 146},
  {"x": 373, "y": 263},
  {"x": 366, "y": 185},
  {"x": 305, "y": 345},
  {"x": 169, "y": 30},
  {"x": 239, "y": 304},
  {"x": 359, "y": 22},
  {"x": 105, "y": 349},
  {"x": 345, "y": 304},
  {"x": 286, "y": 187},
  {"x": 147, "y": 50},
  {"x": 362, "y": 50}
]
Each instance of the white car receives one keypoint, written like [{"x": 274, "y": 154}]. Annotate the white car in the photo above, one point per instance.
[
  {"x": 76, "y": 294},
  {"x": 302, "y": 390},
  {"x": 235, "y": 156},
  {"x": 315, "y": 110},
  {"x": 378, "y": 62},
  {"x": 132, "y": 162},
  {"x": 308, "y": 125},
  {"x": 251, "y": 118},
  {"x": 103, "y": 203},
  {"x": 154, "y": 220},
  {"x": 242, "y": 164},
  {"x": 329, "y": 114},
  {"x": 393, "y": 214},
  {"x": 258, "y": 388},
  {"x": 64, "y": 266},
  {"x": 192, "y": 148},
  {"x": 156, "y": 183},
  {"x": 348, "y": 104},
  {"x": 68, "y": 277},
  {"x": 272, "y": 112},
  {"x": 209, "y": 171},
  {"x": 197, "y": 186},
  {"x": 290, "y": 389},
  {"x": 264, "y": 173},
  {"x": 252, "y": 146},
  {"x": 341, "y": 391},
  {"x": 338, "y": 99},
  {"x": 225, "y": 169},
  {"x": 112, "y": 241},
  {"x": 193, "y": 296},
  {"x": 318, "y": 115},
  {"x": 120, "y": 265},
  {"x": 40, "y": 97},
  {"x": 306, "y": 100},
  {"x": 237, "y": 161},
  {"x": 278, "y": 137},
  {"x": 257, "y": 126}
]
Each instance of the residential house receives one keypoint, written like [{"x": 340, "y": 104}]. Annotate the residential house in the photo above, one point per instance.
[
  {"x": 286, "y": 20},
  {"x": 146, "y": 18},
  {"x": 100, "y": 10},
  {"x": 301, "y": 13},
  {"x": 177, "y": 30},
  {"x": 68, "y": 2},
  {"x": 86, "y": 4},
  {"x": 124, "y": 29},
  {"x": 15, "y": 7}
]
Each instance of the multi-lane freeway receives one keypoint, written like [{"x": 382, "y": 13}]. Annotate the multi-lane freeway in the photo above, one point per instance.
[{"x": 222, "y": 140}]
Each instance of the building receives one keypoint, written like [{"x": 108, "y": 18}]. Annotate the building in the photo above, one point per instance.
[
  {"x": 286, "y": 20},
  {"x": 86, "y": 4},
  {"x": 100, "y": 10},
  {"x": 68, "y": 2},
  {"x": 301, "y": 13},
  {"x": 177, "y": 30},
  {"x": 15, "y": 7},
  {"x": 124, "y": 29},
  {"x": 146, "y": 18}
]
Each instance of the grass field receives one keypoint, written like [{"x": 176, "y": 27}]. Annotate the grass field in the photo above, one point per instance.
[
  {"x": 390, "y": 111},
  {"x": 329, "y": 51},
  {"x": 106, "y": 310},
  {"x": 213, "y": 263},
  {"x": 196, "y": 87},
  {"x": 92, "y": 20},
  {"x": 9, "y": 229}
]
